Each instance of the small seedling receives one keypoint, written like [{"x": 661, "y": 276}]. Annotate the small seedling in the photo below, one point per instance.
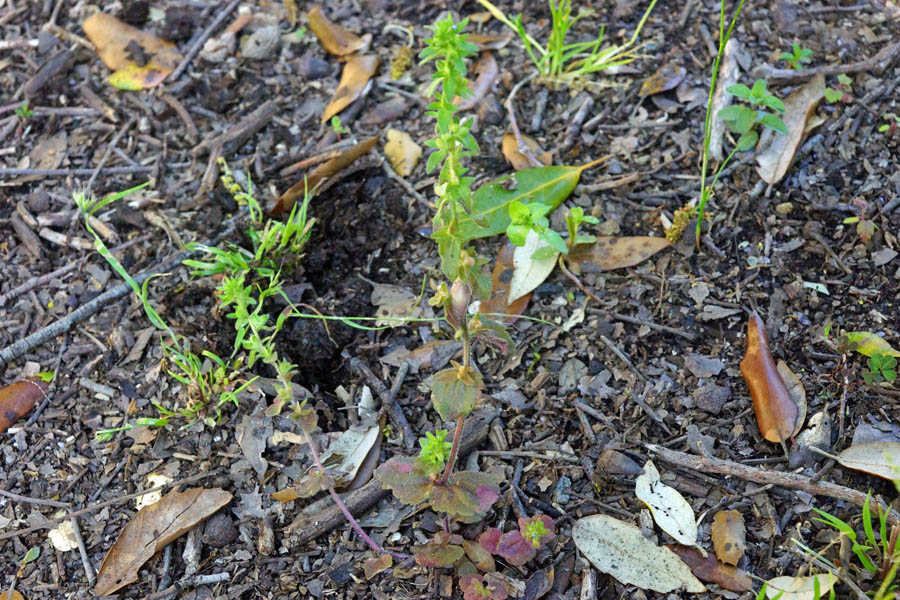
[
  {"x": 881, "y": 368},
  {"x": 338, "y": 127},
  {"x": 843, "y": 91},
  {"x": 798, "y": 57},
  {"x": 892, "y": 125},
  {"x": 24, "y": 112},
  {"x": 743, "y": 119},
  {"x": 865, "y": 227}
]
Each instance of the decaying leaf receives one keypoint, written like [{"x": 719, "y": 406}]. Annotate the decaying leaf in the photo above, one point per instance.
[
  {"x": 670, "y": 510},
  {"x": 374, "y": 566},
  {"x": 729, "y": 536},
  {"x": 467, "y": 494},
  {"x": 491, "y": 586},
  {"x": 498, "y": 303},
  {"x": 729, "y": 71},
  {"x": 528, "y": 272},
  {"x": 402, "y": 152},
  {"x": 666, "y": 78},
  {"x": 609, "y": 253},
  {"x": 151, "y": 529},
  {"x": 708, "y": 568},
  {"x": 319, "y": 176},
  {"x": 486, "y": 72},
  {"x": 394, "y": 302},
  {"x": 114, "y": 41},
  {"x": 775, "y": 159},
  {"x": 799, "y": 588},
  {"x": 519, "y": 161},
  {"x": 619, "y": 549},
  {"x": 868, "y": 343},
  {"x": 334, "y": 38},
  {"x": 797, "y": 392},
  {"x": 442, "y": 550},
  {"x": 480, "y": 557},
  {"x": 876, "y": 458},
  {"x": 18, "y": 398},
  {"x": 355, "y": 76},
  {"x": 776, "y": 412}
]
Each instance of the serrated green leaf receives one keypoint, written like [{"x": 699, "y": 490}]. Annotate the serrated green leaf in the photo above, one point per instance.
[
  {"x": 774, "y": 122},
  {"x": 454, "y": 396},
  {"x": 740, "y": 90},
  {"x": 747, "y": 141}
]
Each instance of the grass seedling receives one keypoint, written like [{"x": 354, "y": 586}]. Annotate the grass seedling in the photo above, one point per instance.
[
  {"x": 798, "y": 57},
  {"x": 559, "y": 63}
]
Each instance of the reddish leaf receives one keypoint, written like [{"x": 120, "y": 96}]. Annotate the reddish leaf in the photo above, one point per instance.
[
  {"x": 498, "y": 302},
  {"x": 334, "y": 38},
  {"x": 707, "y": 568},
  {"x": 490, "y": 539},
  {"x": 374, "y": 566},
  {"x": 729, "y": 536},
  {"x": 776, "y": 412},
  {"x": 515, "y": 549},
  {"x": 467, "y": 495},
  {"x": 479, "y": 556},
  {"x": 441, "y": 551},
  {"x": 483, "y": 587},
  {"x": 409, "y": 483},
  {"x": 454, "y": 392},
  {"x": 18, "y": 398}
]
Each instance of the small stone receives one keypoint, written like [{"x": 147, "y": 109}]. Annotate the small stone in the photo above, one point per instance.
[
  {"x": 703, "y": 366},
  {"x": 490, "y": 111},
  {"x": 313, "y": 67},
  {"x": 570, "y": 374},
  {"x": 883, "y": 256},
  {"x": 262, "y": 44},
  {"x": 712, "y": 398},
  {"x": 695, "y": 439},
  {"x": 219, "y": 531}
]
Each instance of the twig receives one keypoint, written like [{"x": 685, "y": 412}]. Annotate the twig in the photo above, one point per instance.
[
  {"x": 575, "y": 126},
  {"x": 12, "y": 172},
  {"x": 85, "y": 561},
  {"x": 552, "y": 455},
  {"x": 194, "y": 581},
  {"x": 792, "y": 481},
  {"x": 403, "y": 183},
  {"x": 112, "y": 144},
  {"x": 198, "y": 43},
  {"x": 624, "y": 357},
  {"x": 96, "y": 507},
  {"x": 38, "y": 501},
  {"x": 388, "y": 400},
  {"x": 878, "y": 62},
  {"x": 523, "y": 148}
]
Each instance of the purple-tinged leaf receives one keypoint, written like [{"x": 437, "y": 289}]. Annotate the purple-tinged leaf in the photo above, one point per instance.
[
  {"x": 441, "y": 551},
  {"x": 404, "y": 477},
  {"x": 467, "y": 495},
  {"x": 490, "y": 539},
  {"x": 483, "y": 587},
  {"x": 515, "y": 549},
  {"x": 454, "y": 392}
]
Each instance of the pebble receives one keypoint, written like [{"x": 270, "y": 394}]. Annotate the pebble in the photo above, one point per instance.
[
  {"x": 219, "y": 531},
  {"x": 262, "y": 44},
  {"x": 313, "y": 67},
  {"x": 712, "y": 398}
]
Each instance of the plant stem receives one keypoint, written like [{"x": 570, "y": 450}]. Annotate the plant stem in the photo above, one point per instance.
[
  {"x": 454, "y": 450},
  {"x": 340, "y": 503}
]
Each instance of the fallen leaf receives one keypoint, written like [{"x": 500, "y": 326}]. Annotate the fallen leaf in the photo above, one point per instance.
[
  {"x": 797, "y": 392},
  {"x": 114, "y": 41},
  {"x": 799, "y": 588},
  {"x": 519, "y": 162},
  {"x": 355, "y": 76},
  {"x": 729, "y": 71},
  {"x": 775, "y": 158},
  {"x": 319, "y": 176},
  {"x": 374, "y": 566},
  {"x": 670, "y": 510},
  {"x": 498, "y": 302},
  {"x": 394, "y": 302},
  {"x": 345, "y": 455},
  {"x": 609, "y": 253},
  {"x": 18, "y": 398},
  {"x": 613, "y": 462},
  {"x": 134, "y": 78},
  {"x": 729, "y": 536},
  {"x": 479, "y": 556},
  {"x": 252, "y": 434},
  {"x": 666, "y": 78},
  {"x": 334, "y": 38},
  {"x": 621, "y": 550},
  {"x": 15, "y": 595},
  {"x": 776, "y": 412},
  {"x": 876, "y": 458},
  {"x": 402, "y": 152},
  {"x": 709, "y": 569},
  {"x": 486, "y": 71},
  {"x": 868, "y": 343},
  {"x": 528, "y": 273},
  {"x": 151, "y": 529},
  {"x": 489, "y": 41}
]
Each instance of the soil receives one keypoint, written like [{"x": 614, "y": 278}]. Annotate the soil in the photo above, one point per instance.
[{"x": 588, "y": 384}]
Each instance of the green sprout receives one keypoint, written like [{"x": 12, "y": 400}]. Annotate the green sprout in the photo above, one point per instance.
[
  {"x": 882, "y": 367},
  {"x": 893, "y": 123},
  {"x": 435, "y": 450},
  {"x": 24, "y": 112},
  {"x": 338, "y": 127},
  {"x": 799, "y": 57}
]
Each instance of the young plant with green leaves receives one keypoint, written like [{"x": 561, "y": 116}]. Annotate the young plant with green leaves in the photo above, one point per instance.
[
  {"x": 892, "y": 125},
  {"x": 24, "y": 112},
  {"x": 570, "y": 64},
  {"x": 881, "y": 368},
  {"x": 798, "y": 57}
]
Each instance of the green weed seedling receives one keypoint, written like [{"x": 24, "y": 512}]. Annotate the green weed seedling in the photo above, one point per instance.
[
  {"x": 842, "y": 92},
  {"x": 798, "y": 57},
  {"x": 892, "y": 125},
  {"x": 881, "y": 368},
  {"x": 24, "y": 112},
  {"x": 338, "y": 127},
  {"x": 559, "y": 63}
]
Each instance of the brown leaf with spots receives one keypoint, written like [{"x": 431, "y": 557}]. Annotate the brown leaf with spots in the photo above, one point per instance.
[
  {"x": 729, "y": 537},
  {"x": 501, "y": 277},
  {"x": 151, "y": 529},
  {"x": 356, "y": 74},
  {"x": 609, "y": 253},
  {"x": 776, "y": 411},
  {"x": 708, "y": 569},
  {"x": 18, "y": 398},
  {"x": 374, "y": 566},
  {"x": 666, "y": 78},
  {"x": 334, "y": 38}
]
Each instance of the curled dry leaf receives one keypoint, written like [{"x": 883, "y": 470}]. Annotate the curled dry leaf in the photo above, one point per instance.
[
  {"x": 797, "y": 392},
  {"x": 498, "y": 303},
  {"x": 799, "y": 588},
  {"x": 334, "y": 38},
  {"x": 510, "y": 148},
  {"x": 775, "y": 159},
  {"x": 776, "y": 412},
  {"x": 18, "y": 398},
  {"x": 609, "y": 253},
  {"x": 708, "y": 568},
  {"x": 670, "y": 510},
  {"x": 374, "y": 566},
  {"x": 319, "y": 176},
  {"x": 151, "y": 529},
  {"x": 666, "y": 78},
  {"x": 355, "y": 76},
  {"x": 619, "y": 549},
  {"x": 729, "y": 536},
  {"x": 402, "y": 152},
  {"x": 876, "y": 458},
  {"x": 486, "y": 71},
  {"x": 729, "y": 71}
]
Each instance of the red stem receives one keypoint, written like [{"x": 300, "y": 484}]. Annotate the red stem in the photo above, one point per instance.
[{"x": 454, "y": 451}]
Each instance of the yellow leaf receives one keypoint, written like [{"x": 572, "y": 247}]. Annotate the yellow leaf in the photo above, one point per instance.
[{"x": 402, "y": 152}]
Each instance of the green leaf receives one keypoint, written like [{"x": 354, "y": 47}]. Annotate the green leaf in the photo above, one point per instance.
[
  {"x": 869, "y": 344},
  {"x": 740, "y": 90},
  {"x": 517, "y": 234},
  {"x": 773, "y": 103},
  {"x": 454, "y": 392},
  {"x": 747, "y": 141},
  {"x": 844, "y": 79},
  {"x": 519, "y": 213},
  {"x": 833, "y": 96},
  {"x": 745, "y": 121},
  {"x": 758, "y": 91},
  {"x": 406, "y": 479},
  {"x": 546, "y": 252},
  {"x": 774, "y": 122},
  {"x": 731, "y": 113}
]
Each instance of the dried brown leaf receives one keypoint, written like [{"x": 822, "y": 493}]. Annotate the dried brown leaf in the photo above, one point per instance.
[
  {"x": 151, "y": 529},
  {"x": 501, "y": 277},
  {"x": 334, "y": 38},
  {"x": 355, "y": 76},
  {"x": 18, "y": 398},
  {"x": 112, "y": 37},
  {"x": 775, "y": 159},
  {"x": 374, "y": 566},
  {"x": 876, "y": 458},
  {"x": 797, "y": 392},
  {"x": 609, "y": 253},
  {"x": 776, "y": 412},
  {"x": 666, "y": 78},
  {"x": 729, "y": 537},
  {"x": 486, "y": 71},
  {"x": 518, "y": 160},
  {"x": 708, "y": 569},
  {"x": 402, "y": 152}
]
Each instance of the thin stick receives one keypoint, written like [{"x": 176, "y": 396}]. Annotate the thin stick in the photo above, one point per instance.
[
  {"x": 523, "y": 148},
  {"x": 132, "y": 170},
  {"x": 198, "y": 43},
  {"x": 85, "y": 561},
  {"x": 388, "y": 401},
  {"x": 112, "y": 144},
  {"x": 38, "y": 501}
]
